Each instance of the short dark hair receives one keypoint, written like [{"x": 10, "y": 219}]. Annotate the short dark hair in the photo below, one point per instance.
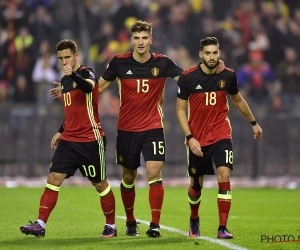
[
  {"x": 210, "y": 40},
  {"x": 140, "y": 26},
  {"x": 67, "y": 44}
]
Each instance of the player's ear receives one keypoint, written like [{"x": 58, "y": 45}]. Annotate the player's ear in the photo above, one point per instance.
[{"x": 200, "y": 54}]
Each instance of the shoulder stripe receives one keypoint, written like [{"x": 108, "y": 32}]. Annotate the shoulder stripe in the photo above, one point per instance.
[
  {"x": 229, "y": 69},
  {"x": 126, "y": 55},
  {"x": 190, "y": 70},
  {"x": 158, "y": 55}
]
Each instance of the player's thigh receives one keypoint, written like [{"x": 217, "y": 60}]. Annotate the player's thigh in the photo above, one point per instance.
[
  {"x": 92, "y": 160},
  {"x": 223, "y": 154},
  {"x": 64, "y": 159},
  {"x": 199, "y": 166},
  {"x": 153, "y": 145},
  {"x": 128, "y": 149}
]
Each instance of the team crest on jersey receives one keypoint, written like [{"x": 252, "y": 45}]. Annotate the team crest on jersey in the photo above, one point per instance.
[
  {"x": 74, "y": 85},
  {"x": 155, "y": 71},
  {"x": 222, "y": 84},
  {"x": 193, "y": 170}
]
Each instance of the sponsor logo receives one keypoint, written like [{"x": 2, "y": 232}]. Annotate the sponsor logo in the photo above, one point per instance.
[
  {"x": 129, "y": 72},
  {"x": 74, "y": 85},
  {"x": 199, "y": 87}
]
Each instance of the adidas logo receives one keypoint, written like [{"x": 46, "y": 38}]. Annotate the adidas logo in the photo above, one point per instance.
[
  {"x": 199, "y": 87},
  {"x": 129, "y": 72}
]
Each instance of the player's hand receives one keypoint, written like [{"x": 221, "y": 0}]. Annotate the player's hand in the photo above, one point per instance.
[
  {"x": 55, "y": 92},
  {"x": 67, "y": 69},
  {"x": 195, "y": 147},
  {"x": 220, "y": 67},
  {"x": 258, "y": 133},
  {"x": 55, "y": 140}
]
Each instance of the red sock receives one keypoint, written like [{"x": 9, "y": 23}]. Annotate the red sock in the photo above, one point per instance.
[
  {"x": 47, "y": 203},
  {"x": 108, "y": 207},
  {"x": 194, "y": 196},
  {"x": 224, "y": 202},
  {"x": 128, "y": 198},
  {"x": 156, "y": 197}
]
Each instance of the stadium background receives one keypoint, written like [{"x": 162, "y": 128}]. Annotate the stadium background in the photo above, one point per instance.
[{"x": 248, "y": 31}]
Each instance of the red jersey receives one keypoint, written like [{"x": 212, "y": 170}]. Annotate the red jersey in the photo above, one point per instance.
[
  {"x": 81, "y": 122},
  {"x": 207, "y": 103},
  {"x": 141, "y": 89}
]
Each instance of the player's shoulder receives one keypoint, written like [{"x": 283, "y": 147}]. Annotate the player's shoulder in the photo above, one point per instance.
[
  {"x": 190, "y": 70},
  {"x": 124, "y": 55},
  {"x": 229, "y": 71},
  {"x": 159, "y": 55},
  {"x": 83, "y": 68}
]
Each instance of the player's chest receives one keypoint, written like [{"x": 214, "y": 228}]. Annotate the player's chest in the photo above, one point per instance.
[{"x": 210, "y": 84}]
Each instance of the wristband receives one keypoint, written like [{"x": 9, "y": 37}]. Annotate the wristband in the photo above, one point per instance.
[
  {"x": 253, "y": 123},
  {"x": 188, "y": 137}
]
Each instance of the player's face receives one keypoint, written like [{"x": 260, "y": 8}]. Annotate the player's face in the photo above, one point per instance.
[
  {"x": 141, "y": 42},
  {"x": 210, "y": 56},
  {"x": 66, "y": 57}
]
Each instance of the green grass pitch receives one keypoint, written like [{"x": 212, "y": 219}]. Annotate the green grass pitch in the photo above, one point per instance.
[{"x": 256, "y": 216}]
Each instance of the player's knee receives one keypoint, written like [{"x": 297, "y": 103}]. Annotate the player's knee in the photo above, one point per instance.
[
  {"x": 195, "y": 184},
  {"x": 129, "y": 177},
  {"x": 100, "y": 186}
]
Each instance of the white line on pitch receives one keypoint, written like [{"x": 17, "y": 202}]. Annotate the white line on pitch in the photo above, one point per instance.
[{"x": 216, "y": 241}]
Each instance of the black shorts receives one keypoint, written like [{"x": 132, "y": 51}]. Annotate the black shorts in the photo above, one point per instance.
[
  {"x": 221, "y": 153},
  {"x": 88, "y": 157},
  {"x": 130, "y": 145}
]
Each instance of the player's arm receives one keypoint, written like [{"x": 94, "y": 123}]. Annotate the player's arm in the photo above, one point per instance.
[
  {"x": 181, "y": 107},
  {"x": 86, "y": 85},
  {"x": 56, "y": 138},
  {"x": 243, "y": 107},
  {"x": 103, "y": 85}
]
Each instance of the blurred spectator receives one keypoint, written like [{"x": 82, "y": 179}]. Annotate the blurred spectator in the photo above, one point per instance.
[
  {"x": 288, "y": 73},
  {"x": 257, "y": 81},
  {"x": 41, "y": 25},
  {"x": 108, "y": 104},
  {"x": 23, "y": 91},
  {"x": 126, "y": 9},
  {"x": 45, "y": 72}
]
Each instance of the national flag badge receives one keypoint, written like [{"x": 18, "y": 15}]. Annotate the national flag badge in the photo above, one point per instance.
[
  {"x": 222, "y": 84},
  {"x": 155, "y": 71},
  {"x": 74, "y": 85}
]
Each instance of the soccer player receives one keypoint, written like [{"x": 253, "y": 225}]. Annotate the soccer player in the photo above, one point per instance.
[
  {"x": 207, "y": 129},
  {"x": 141, "y": 77},
  {"x": 80, "y": 142}
]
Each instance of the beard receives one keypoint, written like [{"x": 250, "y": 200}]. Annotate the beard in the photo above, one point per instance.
[{"x": 210, "y": 66}]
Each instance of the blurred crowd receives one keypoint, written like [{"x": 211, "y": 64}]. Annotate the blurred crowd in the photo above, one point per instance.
[{"x": 259, "y": 39}]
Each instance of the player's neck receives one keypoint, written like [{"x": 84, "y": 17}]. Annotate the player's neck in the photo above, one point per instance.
[
  {"x": 77, "y": 66},
  {"x": 141, "y": 58},
  {"x": 207, "y": 70}
]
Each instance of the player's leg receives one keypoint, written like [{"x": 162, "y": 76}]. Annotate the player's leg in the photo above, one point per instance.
[
  {"x": 61, "y": 167},
  {"x": 194, "y": 197},
  {"x": 197, "y": 167},
  {"x": 153, "y": 149},
  {"x": 128, "y": 156},
  {"x": 93, "y": 166},
  {"x": 127, "y": 188},
  {"x": 223, "y": 157},
  {"x": 107, "y": 201}
]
